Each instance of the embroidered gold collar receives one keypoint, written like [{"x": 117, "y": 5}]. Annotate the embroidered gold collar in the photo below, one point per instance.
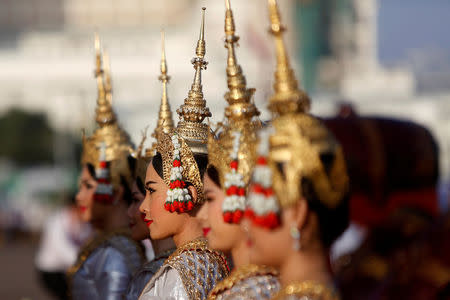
[
  {"x": 310, "y": 289},
  {"x": 239, "y": 274}
]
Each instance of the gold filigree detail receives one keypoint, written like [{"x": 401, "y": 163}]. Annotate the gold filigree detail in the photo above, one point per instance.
[
  {"x": 297, "y": 144},
  {"x": 239, "y": 275},
  {"x": 117, "y": 141},
  {"x": 310, "y": 290},
  {"x": 239, "y": 114},
  {"x": 199, "y": 273},
  {"x": 190, "y": 173},
  {"x": 287, "y": 97},
  {"x": 192, "y": 113},
  {"x": 165, "y": 121}
]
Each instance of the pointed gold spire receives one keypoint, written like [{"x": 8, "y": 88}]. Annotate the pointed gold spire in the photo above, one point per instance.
[
  {"x": 108, "y": 132},
  {"x": 104, "y": 113},
  {"x": 107, "y": 72},
  {"x": 239, "y": 97},
  {"x": 165, "y": 121},
  {"x": 287, "y": 97},
  {"x": 192, "y": 113},
  {"x": 239, "y": 114}
]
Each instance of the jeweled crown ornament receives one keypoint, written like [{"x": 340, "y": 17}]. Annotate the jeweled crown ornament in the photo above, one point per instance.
[
  {"x": 104, "y": 191},
  {"x": 192, "y": 113},
  {"x": 189, "y": 138},
  {"x": 117, "y": 142},
  {"x": 165, "y": 121},
  {"x": 293, "y": 150},
  {"x": 232, "y": 151},
  {"x": 287, "y": 97}
]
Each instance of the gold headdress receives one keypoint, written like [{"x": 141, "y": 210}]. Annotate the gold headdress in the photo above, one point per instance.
[
  {"x": 190, "y": 137},
  {"x": 298, "y": 142},
  {"x": 192, "y": 113},
  {"x": 165, "y": 121},
  {"x": 232, "y": 152},
  {"x": 287, "y": 97},
  {"x": 117, "y": 142}
]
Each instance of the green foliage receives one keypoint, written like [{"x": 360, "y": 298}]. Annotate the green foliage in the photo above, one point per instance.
[{"x": 27, "y": 138}]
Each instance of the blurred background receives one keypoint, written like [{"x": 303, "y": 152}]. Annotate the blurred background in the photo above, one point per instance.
[{"x": 378, "y": 72}]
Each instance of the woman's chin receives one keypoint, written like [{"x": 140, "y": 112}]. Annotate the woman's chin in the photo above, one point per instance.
[{"x": 86, "y": 218}]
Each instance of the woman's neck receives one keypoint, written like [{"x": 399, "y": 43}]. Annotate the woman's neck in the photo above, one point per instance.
[
  {"x": 161, "y": 246},
  {"x": 240, "y": 254},
  {"x": 302, "y": 266},
  {"x": 191, "y": 231}
]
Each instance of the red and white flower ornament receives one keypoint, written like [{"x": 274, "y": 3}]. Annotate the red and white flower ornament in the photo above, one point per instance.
[
  {"x": 104, "y": 191},
  {"x": 233, "y": 206},
  {"x": 263, "y": 208},
  {"x": 178, "y": 198}
]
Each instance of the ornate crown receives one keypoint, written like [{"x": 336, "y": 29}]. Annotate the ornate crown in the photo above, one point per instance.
[
  {"x": 190, "y": 137},
  {"x": 192, "y": 113},
  {"x": 297, "y": 144},
  {"x": 117, "y": 142},
  {"x": 232, "y": 151}
]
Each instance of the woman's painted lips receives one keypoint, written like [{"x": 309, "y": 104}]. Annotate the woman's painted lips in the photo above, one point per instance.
[
  {"x": 83, "y": 208},
  {"x": 131, "y": 224},
  {"x": 148, "y": 222},
  {"x": 206, "y": 231}
]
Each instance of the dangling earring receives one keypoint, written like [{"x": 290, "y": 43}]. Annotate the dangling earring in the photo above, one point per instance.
[{"x": 295, "y": 234}]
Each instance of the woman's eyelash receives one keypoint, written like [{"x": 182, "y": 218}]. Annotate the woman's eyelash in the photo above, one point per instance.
[{"x": 150, "y": 190}]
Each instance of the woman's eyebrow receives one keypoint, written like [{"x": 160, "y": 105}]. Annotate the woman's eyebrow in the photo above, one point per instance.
[{"x": 149, "y": 182}]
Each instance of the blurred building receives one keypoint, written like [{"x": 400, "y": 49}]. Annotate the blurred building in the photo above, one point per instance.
[{"x": 46, "y": 54}]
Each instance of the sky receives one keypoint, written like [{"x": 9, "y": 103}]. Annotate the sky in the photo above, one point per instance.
[{"x": 407, "y": 26}]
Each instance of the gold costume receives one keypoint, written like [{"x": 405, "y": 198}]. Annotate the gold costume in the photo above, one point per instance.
[
  {"x": 193, "y": 269},
  {"x": 291, "y": 150},
  {"x": 247, "y": 282},
  {"x": 232, "y": 152},
  {"x": 106, "y": 263},
  {"x": 306, "y": 290}
]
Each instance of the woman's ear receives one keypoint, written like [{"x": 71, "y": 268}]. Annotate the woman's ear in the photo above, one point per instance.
[
  {"x": 299, "y": 213},
  {"x": 193, "y": 193}
]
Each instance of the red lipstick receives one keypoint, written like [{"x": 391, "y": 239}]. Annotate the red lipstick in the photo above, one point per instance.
[
  {"x": 149, "y": 222},
  {"x": 206, "y": 231},
  {"x": 83, "y": 208}
]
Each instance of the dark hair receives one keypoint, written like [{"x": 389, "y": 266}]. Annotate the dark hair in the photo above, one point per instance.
[
  {"x": 140, "y": 185},
  {"x": 332, "y": 221},
  {"x": 126, "y": 189},
  {"x": 213, "y": 174},
  {"x": 200, "y": 158}
]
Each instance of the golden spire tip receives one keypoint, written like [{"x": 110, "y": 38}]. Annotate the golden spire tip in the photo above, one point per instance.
[
  {"x": 227, "y": 4},
  {"x": 202, "y": 28}
]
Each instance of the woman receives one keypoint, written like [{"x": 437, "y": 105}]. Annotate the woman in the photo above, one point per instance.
[
  {"x": 106, "y": 263},
  {"x": 139, "y": 230},
  {"x": 174, "y": 193},
  {"x": 298, "y": 202},
  {"x": 225, "y": 182}
]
